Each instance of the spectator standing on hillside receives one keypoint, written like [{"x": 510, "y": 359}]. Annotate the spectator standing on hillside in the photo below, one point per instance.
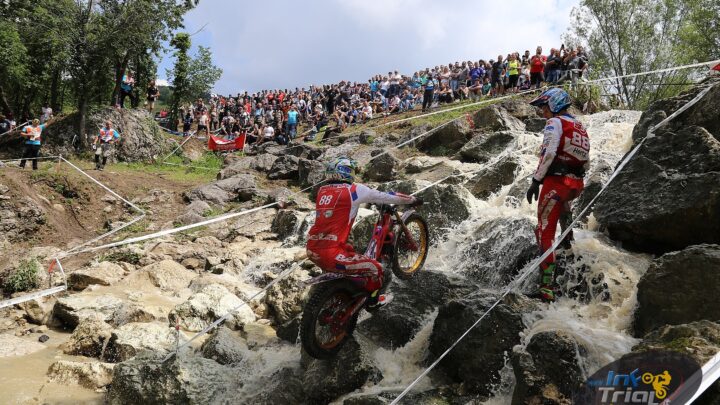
[
  {"x": 553, "y": 65},
  {"x": 106, "y": 138},
  {"x": 292, "y": 122},
  {"x": 428, "y": 92},
  {"x": 152, "y": 95},
  {"x": 5, "y": 125},
  {"x": 126, "y": 88},
  {"x": 498, "y": 75},
  {"x": 33, "y": 134},
  {"x": 187, "y": 122},
  {"x": 47, "y": 114},
  {"x": 513, "y": 67},
  {"x": 203, "y": 124},
  {"x": 537, "y": 66}
]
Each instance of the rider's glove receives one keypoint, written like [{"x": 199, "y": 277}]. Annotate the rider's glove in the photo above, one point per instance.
[
  {"x": 417, "y": 201},
  {"x": 533, "y": 191},
  {"x": 94, "y": 146}
]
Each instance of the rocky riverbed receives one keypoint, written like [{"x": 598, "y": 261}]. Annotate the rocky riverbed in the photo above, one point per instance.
[{"x": 640, "y": 274}]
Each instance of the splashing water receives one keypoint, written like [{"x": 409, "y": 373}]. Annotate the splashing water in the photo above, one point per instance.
[{"x": 600, "y": 326}]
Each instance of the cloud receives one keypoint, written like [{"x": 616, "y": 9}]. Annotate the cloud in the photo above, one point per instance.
[{"x": 287, "y": 44}]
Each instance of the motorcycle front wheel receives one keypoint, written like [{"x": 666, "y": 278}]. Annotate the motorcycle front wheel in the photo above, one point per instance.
[{"x": 406, "y": 260}]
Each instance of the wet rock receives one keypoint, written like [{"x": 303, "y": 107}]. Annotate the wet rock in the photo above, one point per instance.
[
  {"x": 492, "y": 179},
  {"x": 88, "y": 338},
  {"x": 243, "y": 290},
  {"x": 129, "y": 312},
  {"x": 239, "y": 187},
  {"x": 209, "y": 304},
  {"x": 352, "y": 368},
  {"x": 73, "y": 309},
  {"x": 103, "y": 273},
  {"x": 476, "y": 360},
  {"x": 224, "y": 346},
  {"x": 661, "y": 201},
  {"x": 382, "y": 168},
  {"x": 497, "y": 250},
  {"x": 594, "y": 181},
  {"x": 547, "y": 370},
  {"x": 39, "y": 311},
  {"x": 287, "y": 298},
  {"x": 289, "y": 331},
  {"x": 676, "y": 289},
  {"x": 132, "y": 338},
  {"x": 259, "y": 335},
  {"x": 699, "y": 340},
  {"x": 168, "y": 275},
  {"x": 496, "y": 118},
  {"x": 446, "y": 205},
  {"x": 703, "y": 114},
  {"x": 534, "y": 124},
  {"x": 413, "y": 305},
  {"x": 238, "y": 165},
  {"x": 483, "y": 147},
  {"x": 146, "y": 379},
  {"x": 285, "y": 223},
  {"x": 284, "y": 168},
  {"x": 43, "y": 338},
  {"x": 362, "y": 229},
  {"x": 447, "y": 139},
  {"x": 285, "y": 386},
  {"x": 88, "y": 375},
  {"x": 310, "y": 172}
]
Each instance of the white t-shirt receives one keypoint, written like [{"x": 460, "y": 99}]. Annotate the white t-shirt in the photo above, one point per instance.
[
  {"x": 269, "y": 132},
  {"x": 46, "y": 113},
  {"x": 368, "y": 111},
  {"x": 203, "y": 120}
]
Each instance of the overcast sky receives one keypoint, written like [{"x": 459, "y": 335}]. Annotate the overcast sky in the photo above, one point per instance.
[{"x": 286, "y": 44}]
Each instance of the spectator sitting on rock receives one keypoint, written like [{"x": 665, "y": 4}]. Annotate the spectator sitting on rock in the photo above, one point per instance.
[
  {"x": 367, "y": 112},
  {"x": 445, "y": 95}
]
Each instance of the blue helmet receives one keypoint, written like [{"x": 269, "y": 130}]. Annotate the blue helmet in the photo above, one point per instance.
[
  {"x": 556, "y": 100},
  {"x": 341, "y": 169}
]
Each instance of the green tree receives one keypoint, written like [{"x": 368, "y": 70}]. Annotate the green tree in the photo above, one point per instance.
[
  {"x": 202, "y": 74},
  {"x": 630, "y": 36},
  {"x": 12, "y": 66},
  {"x": 180, "y": 80}
]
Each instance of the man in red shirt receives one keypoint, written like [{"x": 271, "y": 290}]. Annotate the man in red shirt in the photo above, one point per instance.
[
  {"x": 537, "y": 66},
  {"x": 336, "y": 206},
  {"x": 564, "y": 158}
]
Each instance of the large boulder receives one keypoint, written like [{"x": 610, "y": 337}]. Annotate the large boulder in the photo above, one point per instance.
[
  {"x": 382, "y": 168},
  {"x": 286, "y": 222},
  {"x": 485, "y": 146},
  {"x": 519, "y": 109},
  {"x": 71, "y": 310},
  {"x": 350, "y": 369},
  {"x": 103, "y": 273},
  {"x": 306, "y": 151},
  {"x": 166, "y": 275},
  {"x": 310, "y": 172},
  {"x": 132, "y": 338},
  {"x": 477, "y": 360},
  {"x": 88, "y": 375},
  {"x": 496, "y": 118},
  {"x": 88, "y": 339},
  {"x": 548, "y": 369},
  {"x": 496, "y": 250},
  {"x": 447, "y": 139},
  {"x": 209, "y": 304},
  {"x": 147, "y": 379},
  {"x": 677, "y": 287},
  {"x": 237, "y": 165},
  {"x": 662, "y": 200},
  {"x": 241, "y": 187},
  {"x": 284, "y": 168},
  {"x": 286, "y": 298},
  {"x": 414, "y": 302},
  {"x": 20, "y": 218},
  {"x": 491, "y": 179},
  {"x": 141, "y": 138},
  {"x": 224, "y": 346},
  {"x": 445, "y": 205},
  {"x": 703, "y": 114},
  {"x": 363, "y": 228}
]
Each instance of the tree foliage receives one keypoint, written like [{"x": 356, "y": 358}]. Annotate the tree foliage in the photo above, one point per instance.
[
  {"x": 631, "y": 36},
  {"x": 180, "y": 81}
]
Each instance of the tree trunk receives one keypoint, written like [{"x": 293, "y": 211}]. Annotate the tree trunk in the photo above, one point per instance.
[
  {"x": 4, "y": 103},
  {"x": 82, "y": 111},
  {"x": 54, "y": 87}
]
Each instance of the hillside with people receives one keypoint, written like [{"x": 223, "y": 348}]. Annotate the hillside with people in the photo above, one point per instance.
[{"x": 536, "y": 227}]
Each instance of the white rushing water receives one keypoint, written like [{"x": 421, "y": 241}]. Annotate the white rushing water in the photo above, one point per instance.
[{"x": 601, "y": 327}]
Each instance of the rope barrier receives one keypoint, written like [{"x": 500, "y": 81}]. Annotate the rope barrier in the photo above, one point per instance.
[
  {"x": 534, "y": 265},
  {"x": 36, "y": 158},
  {"x": 16, "y": 128}
]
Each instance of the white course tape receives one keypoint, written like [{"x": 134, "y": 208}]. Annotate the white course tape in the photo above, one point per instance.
[
  {"x": 534, "y": 265},
  {"x": 16, "y": 128},
  {"x": 37, "y": 158},
  {"x": 192, "y": 135},
  {"x": 37, "y": 294}
]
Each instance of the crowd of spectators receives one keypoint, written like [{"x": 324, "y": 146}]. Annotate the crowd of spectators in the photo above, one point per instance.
[{"x": 275, "y": 115}]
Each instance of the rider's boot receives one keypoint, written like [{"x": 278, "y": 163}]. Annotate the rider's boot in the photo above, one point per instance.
[
  {"x": 547, "y": 290},
  {"x": 377, "y": 300}
]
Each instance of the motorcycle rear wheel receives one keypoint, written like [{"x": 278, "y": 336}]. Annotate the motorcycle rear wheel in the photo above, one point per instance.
[
  {"x": 320, "y": 337},
  {"x": 407, "y": 262}
]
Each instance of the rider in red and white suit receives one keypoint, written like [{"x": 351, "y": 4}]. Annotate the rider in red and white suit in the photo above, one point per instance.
[
  {"x": 564, "y": 158},
  {"x": 336, "y": 206}
]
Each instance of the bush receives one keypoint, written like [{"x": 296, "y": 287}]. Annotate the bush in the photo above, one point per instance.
[
  {"x": 121, "y": 256},
  {"x": 24, "y": 278}
]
